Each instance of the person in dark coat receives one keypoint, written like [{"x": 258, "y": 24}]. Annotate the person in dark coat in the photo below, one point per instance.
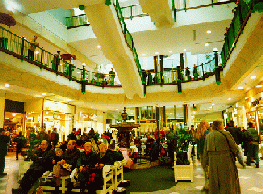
[
  {"x": 86, "y": 164},
  {"x": 20, "y": 143},
  {"x": 4, "y": 140},
  {"x": 72, "y": 136},
  {"x": 71, "y": 156},
  {"x": 111, "y": 156},
  {"x": 42, "y": 158}
]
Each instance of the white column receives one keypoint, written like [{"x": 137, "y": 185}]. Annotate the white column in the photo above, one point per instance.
[
  {"x": 101, "y": 122},
  {"x": 2, "y": 110}
]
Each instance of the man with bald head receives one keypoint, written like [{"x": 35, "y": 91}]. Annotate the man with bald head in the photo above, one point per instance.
[{"x": 42, "y": 162}]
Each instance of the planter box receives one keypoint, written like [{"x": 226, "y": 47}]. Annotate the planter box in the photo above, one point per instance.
[{"x": 184, "y": 172}]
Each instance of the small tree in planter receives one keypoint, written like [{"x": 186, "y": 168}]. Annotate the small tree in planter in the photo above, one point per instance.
[
  {"x": 181, "y": 139},
  {"x": 33, "y": 142}
]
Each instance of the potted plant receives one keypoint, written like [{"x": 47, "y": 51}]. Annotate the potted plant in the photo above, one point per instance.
[{"x": 183, "y": 167}]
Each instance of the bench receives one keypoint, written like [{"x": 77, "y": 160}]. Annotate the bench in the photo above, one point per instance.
[{"x": 112, "y": 177}]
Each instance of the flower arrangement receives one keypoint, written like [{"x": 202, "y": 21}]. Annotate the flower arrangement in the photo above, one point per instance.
[{"x": 65, "y": 165}]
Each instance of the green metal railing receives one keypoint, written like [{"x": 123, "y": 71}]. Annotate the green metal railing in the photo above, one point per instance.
[
  {"x": 76, "y": 21},
  {"x": 128, "y": 36},
  {"x": 241, "y": 15},
  {"x": 19, "y": 47}
]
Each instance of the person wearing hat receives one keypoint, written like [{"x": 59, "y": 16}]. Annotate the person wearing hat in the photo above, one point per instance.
[
  {"x": 56, "y": 61},
  {"x": 4, "y": 140}
]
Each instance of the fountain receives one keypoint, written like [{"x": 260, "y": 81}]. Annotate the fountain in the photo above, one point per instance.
[{"x": 124, "y": 130}]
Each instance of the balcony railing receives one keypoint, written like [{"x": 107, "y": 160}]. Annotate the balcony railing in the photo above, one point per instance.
[
  {"x": 19, "y": 46},
  {"x": 241, "y": 15},
  {"x": 76, "y": 21}
]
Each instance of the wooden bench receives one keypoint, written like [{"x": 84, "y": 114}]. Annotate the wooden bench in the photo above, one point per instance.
[{"x": 112, "y": 177}]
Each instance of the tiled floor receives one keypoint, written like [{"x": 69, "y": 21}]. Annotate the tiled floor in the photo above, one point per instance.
[{"x": 250, "y": 179}]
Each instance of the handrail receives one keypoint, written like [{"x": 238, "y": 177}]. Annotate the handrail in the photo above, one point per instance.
[
  {"x": 127, "y": 35},
  {"x": 76, "y": 21},
  {"x": 19, "y": 47},
  {"x": 241, "y": 15}
]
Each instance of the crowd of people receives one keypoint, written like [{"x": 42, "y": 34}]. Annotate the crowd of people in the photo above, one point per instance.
[{"x": 217, "y": 150}]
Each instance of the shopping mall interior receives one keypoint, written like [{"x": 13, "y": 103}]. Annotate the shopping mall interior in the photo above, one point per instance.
[{"x": 170, "y": 64}]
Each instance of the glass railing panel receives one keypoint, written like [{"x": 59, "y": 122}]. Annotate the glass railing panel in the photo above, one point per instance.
[{"x": 76, "y": 74}]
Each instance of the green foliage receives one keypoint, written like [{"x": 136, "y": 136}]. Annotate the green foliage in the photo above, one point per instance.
[{"x": 33, "y": 143}]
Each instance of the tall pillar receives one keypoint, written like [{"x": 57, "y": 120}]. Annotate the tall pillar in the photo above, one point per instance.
[
  {"x": 2, "y": 110},
  {"x": 182, "y": 60},
  {"x": 164, "y": 117},
  {"x": 101, "y": 122},
  {"x": 185, "y": 115},
  {"x": 158, "y": 68}
]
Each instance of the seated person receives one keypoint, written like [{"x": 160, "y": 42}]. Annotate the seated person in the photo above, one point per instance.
[
  {"x": 111, "y": 156},
  {"x": 102, "y": 148},
  {"x": 86, "y": 163},
  {"x": 42, "y": 162},
  {"x": 71, "y": 156},
  {"x": 134, "y": 153},
  {"x": 57, "y": 168}
]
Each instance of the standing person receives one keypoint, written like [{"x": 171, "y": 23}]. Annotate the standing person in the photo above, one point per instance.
[
  {"x": 72, "y": 136},
  {"x": 20, "y": 143},
  {"x": 202, "y": 131},
  {"x": 253, "y": 140},
  {"x": 112, "y": 76},
  {"x": 54, "y": 137},
  {"x": 236, "y": 134},
  {"x": 220, "y": 150},
  {"x": 4, "y": 140},
  {"x": 56, "y": 61},
  {"x": 32, "y": 48}
]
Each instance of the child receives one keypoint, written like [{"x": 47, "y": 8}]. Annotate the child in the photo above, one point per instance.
[{"x": 56, "y": 168}]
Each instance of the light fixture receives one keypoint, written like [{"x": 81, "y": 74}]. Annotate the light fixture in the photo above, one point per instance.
[
  {"x": 184, "y": 49},
  {"x": 206, "y": 44},
  {"x": 208, "y": 31},
  {"x": 240, "y": 88},
  {"x": 78, "y": 72},
  {"x": 6, "y": 85},
  {"x": 258, "y": 86},
  {"x": 213, "y": 104},
  {"x": 43, "y": 94},
  {"x": 194, "y": 112},
  {"x": 246, "y": 98},
  {"x": 68, "y": 100},
  {"x": 215, "y": 49},
  {"x": 143, "y": 54},
  {"x": 170, "y": 51},
  {"x": 157, "y": 53},
  {"x": 253, "y": 77},
  {"x": 13, "y": 114},
  {"x": 229, "y": 98},
  {"x": 36, "y": 52},
  {"x": 116, "y": 109},
  {"x": 98, "y": 46},
  {"x": 83, "y": 64}
]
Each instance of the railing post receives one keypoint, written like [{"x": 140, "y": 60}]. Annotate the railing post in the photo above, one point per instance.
[
  {"x": 41, "y": 58},
  {"x": 22, "y": 47},
  {"x": 179, "y": 79},
  {"x": 202, "y": 65},
  {"x": 217, "y": 69}
]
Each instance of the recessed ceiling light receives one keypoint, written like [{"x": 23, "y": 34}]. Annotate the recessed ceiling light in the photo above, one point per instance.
[
  {"x": 143, "y": 54},
  {"x": 258, "y": 86},
  {"x": 68, "y": 100},
  {"x": 170, "y": 51},
  {"x": 240, "y": 88},
  {"x": 253, "y": 77},
  {"x": 6, "y": 85},
  {"x": 43, "y": 94},
  {"x": 98, "y": 46},
  {"x": 213, "y": 104},
  {"x": 157, "y": 53},
  {"x": 208, "y": 31},
  {"x": 194, "y": 112},
  {"x": 116, "y": 109},
  {"x": 184, "y": 49},
  {"x": 206, "y": 44},
  {"x": 229, "y": 98},
  {"x": 13, "y": 114}
]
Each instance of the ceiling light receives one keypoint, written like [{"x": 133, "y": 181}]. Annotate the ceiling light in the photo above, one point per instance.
[
  {"x": 170, "y": 51},
  {"x": 78, "y": 72},
  {"x": 208, "y": 31},
  {"x": 246, "y": 97},
  {"x": 258, "y": 86},
  {"x": 184, "y": 49},
  {"x": 13, "y": 114},
  {"x": 210, "y": 107},
  {"x": 143, "y": 54},
  {"x": 206, "y": 44},
  {"x": 84, "y": 64},
  {"x": 213, "y": 104},
  {"x": 194, "y": 112},
  {"x": 116, "y": 109},
  {"x": 43, "y": 94},
  {"x": 253, "y": 77},
  {"x": 229, "y": 98},
  {"x": 157, "y": 53},
  {"x": 6, "y": 85},
  {"x": 98, "y": 46},
  {"x": 68, "y": 100},
  {"x": 36, "y": 52},
  {"x": 240, "y": 88}
]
